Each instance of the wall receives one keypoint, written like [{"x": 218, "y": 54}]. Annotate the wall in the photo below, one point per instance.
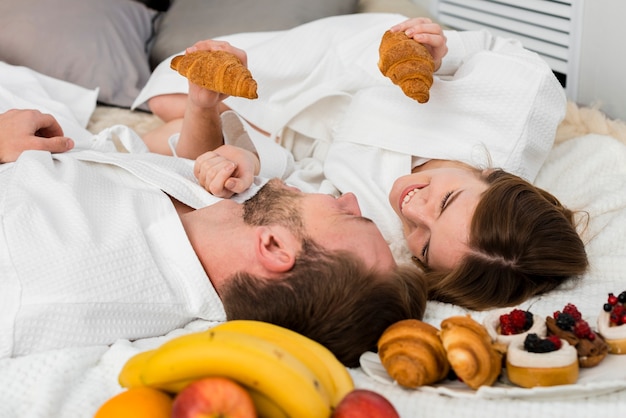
[{"x": 602, "y": 59}]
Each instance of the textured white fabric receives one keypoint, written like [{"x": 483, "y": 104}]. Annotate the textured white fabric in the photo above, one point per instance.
[
  {"x": 493, "y": 104},
  {"x": 91, "y": 248},
  {"x": 74, "y": 382},
  {"x": 97, "y": 252}
]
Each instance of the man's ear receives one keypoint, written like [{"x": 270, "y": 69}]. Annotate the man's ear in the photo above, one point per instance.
[{"x": 276, "y": 248}]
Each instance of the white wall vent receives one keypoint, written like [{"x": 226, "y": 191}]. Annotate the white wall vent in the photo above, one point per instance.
[{"x": 543, "y": 26}]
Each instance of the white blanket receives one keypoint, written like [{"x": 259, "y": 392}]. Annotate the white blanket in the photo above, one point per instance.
[{"x": 588, "y": 172}]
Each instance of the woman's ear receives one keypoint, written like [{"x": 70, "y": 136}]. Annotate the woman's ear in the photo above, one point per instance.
[{"x": 276, "y": 249}]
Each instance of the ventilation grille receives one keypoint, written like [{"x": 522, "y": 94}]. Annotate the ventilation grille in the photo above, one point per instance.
[{"x": 543, "y": 26}]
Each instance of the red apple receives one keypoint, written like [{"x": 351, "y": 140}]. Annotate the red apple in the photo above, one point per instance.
[
  {"x": 213, "y": 396},
  {"x": 363, "y": 403}
]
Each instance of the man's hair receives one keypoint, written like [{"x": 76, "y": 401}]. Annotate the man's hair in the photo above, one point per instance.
[
  {"x": 523, "y": 242},
  {"x": 331, "y": 298}
]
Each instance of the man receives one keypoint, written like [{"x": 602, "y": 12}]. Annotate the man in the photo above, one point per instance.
[{"x": 99, "y": 246}]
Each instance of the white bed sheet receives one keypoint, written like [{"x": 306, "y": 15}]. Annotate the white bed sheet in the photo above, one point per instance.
[{"x": 587, "y": 172}]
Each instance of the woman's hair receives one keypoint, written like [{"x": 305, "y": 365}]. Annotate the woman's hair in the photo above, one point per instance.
[
  {"x": 331, "y": 298},
  {"x": 522, "y": 241}
]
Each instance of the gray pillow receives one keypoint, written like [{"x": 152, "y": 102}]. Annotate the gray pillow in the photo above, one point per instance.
[
  {"x": 189, "y": 21},
  {"x": 91, "y": 43}
]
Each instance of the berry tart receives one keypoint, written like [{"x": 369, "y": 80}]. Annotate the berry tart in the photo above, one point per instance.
[
  {"x": 505, "y": 325},
  {"x": 569, "y": 325},
  {"x": 612, "y": 323},
  {"x": 538, "y": 361}
]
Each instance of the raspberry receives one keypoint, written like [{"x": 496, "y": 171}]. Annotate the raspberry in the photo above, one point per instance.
[
  {"x": 582, "y": 330},
  {"x": 555, "y": 340},
  {"x": 518, "y": 318},
  {"x": 515, "y": 322},
  {"x": 612, "y": 299},
  {"x": 573, "y": 311}
]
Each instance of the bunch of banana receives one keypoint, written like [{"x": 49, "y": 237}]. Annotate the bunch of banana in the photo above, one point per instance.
[{"x": 286, "y": 373}]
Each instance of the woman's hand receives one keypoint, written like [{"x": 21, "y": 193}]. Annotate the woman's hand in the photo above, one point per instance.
[
  {"x": 227, "y": 170},
  {"x": 26, "y": 129},
  {"x": 430, "y": 34}
]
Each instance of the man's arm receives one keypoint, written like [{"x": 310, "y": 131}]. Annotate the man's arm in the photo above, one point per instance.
[{"x": 26, "y": 129}]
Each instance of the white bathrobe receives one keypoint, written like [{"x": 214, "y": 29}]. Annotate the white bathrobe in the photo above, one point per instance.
[
  {"x": 91, "y": 247},
  {"x": 321, "y": 95}
]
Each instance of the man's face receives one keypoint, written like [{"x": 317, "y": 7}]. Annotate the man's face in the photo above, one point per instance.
[{"x": 333, "y": 223}]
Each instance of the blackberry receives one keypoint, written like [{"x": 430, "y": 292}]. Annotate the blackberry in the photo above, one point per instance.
[
  {"x": 607, "y": 307},
  {"x": 622, "y": 297},
  {"x": 565, "y": 321},
  {"x": 534, "y": 344},
  {"x": 530, "y": 320}
]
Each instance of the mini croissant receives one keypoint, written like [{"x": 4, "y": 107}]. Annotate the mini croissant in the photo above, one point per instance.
[
  {"x": 475, "y": 359},
  {"x": 407, "y": 63},
  {"x": 218, "y": 71},
  {"x": 412, "y": 353}
]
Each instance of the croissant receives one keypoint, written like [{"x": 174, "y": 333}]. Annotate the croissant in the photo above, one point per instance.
[
  {"x": 412, "y": 353},
  {"x": 218, "y": 71},
  {"x": 470, "y": 351},
  {"x": 408, "y": 64}
]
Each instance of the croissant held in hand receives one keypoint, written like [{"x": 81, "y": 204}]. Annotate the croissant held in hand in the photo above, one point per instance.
[
  {"x": 475, "y": 359},
  {"x": 408, "y": 64},
  {"x": 412, "y": 353},
  {"x": 219, "y": 71}
]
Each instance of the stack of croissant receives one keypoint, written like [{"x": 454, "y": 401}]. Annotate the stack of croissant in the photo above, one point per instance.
[{"x": 415, "y": 353}]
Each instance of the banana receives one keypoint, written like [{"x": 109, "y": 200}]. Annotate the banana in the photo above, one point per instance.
[
  {"x": 253, "y": 362},
  {"x": 266, "y": 407},
  {"x": 130, "y": 375},
  {"x": 331, "y": 373}
]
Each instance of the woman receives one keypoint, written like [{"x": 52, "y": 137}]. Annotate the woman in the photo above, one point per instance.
[{"x": 484, "y": 237}]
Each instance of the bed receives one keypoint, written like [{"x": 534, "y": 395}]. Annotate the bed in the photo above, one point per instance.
[{"x": 586, "y": 169}]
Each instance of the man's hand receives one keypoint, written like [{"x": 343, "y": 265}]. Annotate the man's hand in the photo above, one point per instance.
[
  {"x": 430, "y": 34},
  {"x": 227, "y": 170},
  {"x": 22, "y": 130}
]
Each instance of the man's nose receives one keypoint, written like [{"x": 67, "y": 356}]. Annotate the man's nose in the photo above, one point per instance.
[{"x": 350, "y": 204}]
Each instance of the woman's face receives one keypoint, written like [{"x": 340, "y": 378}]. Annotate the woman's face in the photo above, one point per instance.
[{"x": 436, "y": 207}]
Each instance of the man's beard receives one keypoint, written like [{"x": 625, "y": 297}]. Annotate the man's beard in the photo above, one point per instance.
[{"x": 274, "y": 205}]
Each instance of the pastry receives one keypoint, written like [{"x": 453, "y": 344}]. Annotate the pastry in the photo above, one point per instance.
[
  {"x": 541, "y": 362},
  {"x": 612, "y": 323},
  {"x": 507, "y": 325},
  {"x": 475, "y": 359},
  {"x": 407, "y": 63},
  {"x": 412, "y": 353},
  {"x": 218, "y": 71},
  {"x": 570, "y": 326}
]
